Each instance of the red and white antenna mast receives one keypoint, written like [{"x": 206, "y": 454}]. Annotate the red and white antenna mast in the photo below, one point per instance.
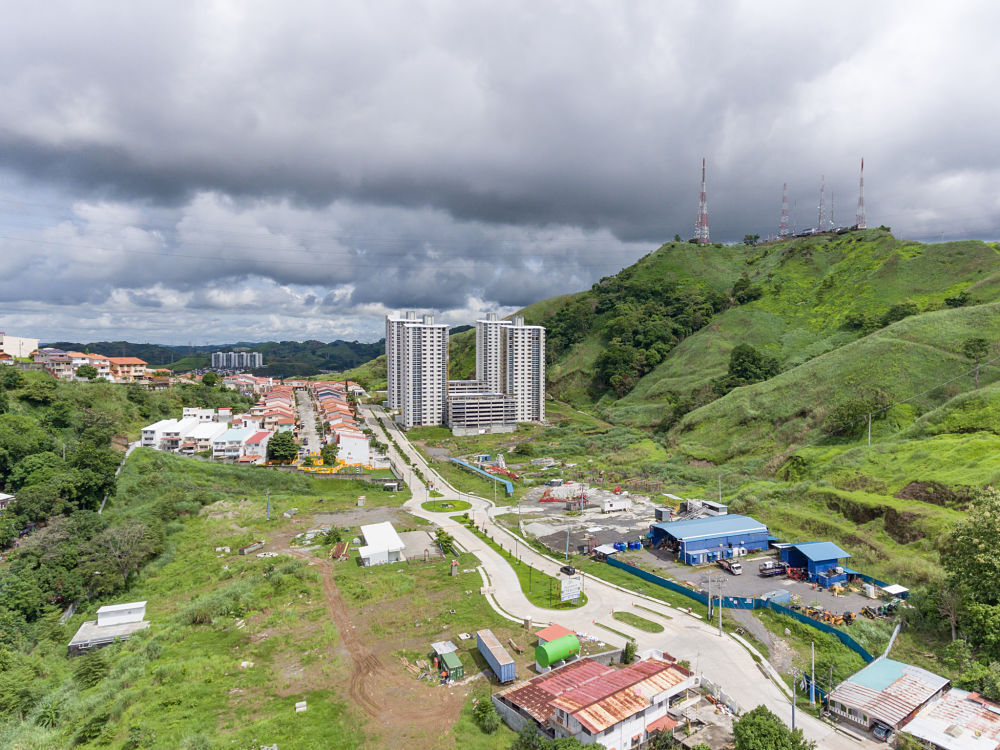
[
  {"x": 701, "y": 226},
  {"x": 822, "y": 203},
  {"x": 784, "y": 226},
  {"x": 861, "y": 198}
]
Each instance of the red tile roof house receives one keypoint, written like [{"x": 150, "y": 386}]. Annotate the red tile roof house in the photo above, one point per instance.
[
  {"x": 256, "y": 446},
  {"x": 597, "y": 704},
  {"x": 127, "y": 369}
]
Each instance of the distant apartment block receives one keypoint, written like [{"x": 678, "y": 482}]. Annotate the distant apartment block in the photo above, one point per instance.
[
  {"x": 17, "y": 346},
  {"x": 237, "y": 360},
  {"x": 510, "y": 375}
]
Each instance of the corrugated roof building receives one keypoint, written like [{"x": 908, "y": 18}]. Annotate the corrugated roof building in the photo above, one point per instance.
[
  {"x": 700, "y": 540},
  {"x": 958, "y": 720},
  {"x": 598, "y": 704},
  {"x": 885, "y": 691}
]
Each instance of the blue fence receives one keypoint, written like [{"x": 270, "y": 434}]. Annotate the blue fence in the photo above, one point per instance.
[
  {"x": 507, "y": 485},
  {"x": 659, "y": 581},
  {"x": 741, "y": 602}
]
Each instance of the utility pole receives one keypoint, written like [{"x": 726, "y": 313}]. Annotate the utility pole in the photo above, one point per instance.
[
  {"x": 709, "y": 598},
  {"x": 812, "y": 679},
  {"x": 720, "y": 489},
  {"x": 267, "y": 496}
]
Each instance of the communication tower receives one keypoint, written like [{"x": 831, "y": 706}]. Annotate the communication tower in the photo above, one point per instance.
[
  {"x": 822, "y": 203},
  {"x": 861, "y": 198},
  {"x": 784, "y": 226},
  {"x": 701, "y": 226}
]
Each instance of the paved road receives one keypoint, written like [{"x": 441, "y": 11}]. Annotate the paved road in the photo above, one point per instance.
[
  {"x": 721, "y": 659},
  {"x": 308, "y": 435}
]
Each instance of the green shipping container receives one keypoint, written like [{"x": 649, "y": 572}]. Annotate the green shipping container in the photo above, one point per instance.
[
  {"x": 547, "y": 654},
  {"x": 451, "y": 664}
]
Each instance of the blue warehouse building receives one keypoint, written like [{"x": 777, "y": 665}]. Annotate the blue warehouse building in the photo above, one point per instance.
[
  {"x": 820, "y": 559},
  {"x": 702, "y": 540}
]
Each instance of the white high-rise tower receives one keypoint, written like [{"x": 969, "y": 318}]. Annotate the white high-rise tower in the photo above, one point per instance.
[
  {"x": 424, "y": 350},
  {"x": 489, "y": 352},
  {"x": 524, "y": 368},
  {"x": 394, "y": 357}
]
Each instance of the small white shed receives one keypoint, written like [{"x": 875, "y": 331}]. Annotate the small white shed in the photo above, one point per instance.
[
  {"x": 5, "y": 500},
  {"x": 120, "y": 614},
  {"x": 382, "y": 544}
]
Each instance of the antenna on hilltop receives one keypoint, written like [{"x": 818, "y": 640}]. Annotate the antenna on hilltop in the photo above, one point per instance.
[
  {"x": 701, "y": 226},
  {"x": 861, "y": 197},
  {"x": 822, "y": 203},
  {"x": 833, "y": 222},
  {"x": 784, "y": 227}
]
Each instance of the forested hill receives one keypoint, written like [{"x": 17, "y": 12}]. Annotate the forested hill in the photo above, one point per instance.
[
  {"x": 688, "y": 327},
  {"x": 281, "y": 358}
]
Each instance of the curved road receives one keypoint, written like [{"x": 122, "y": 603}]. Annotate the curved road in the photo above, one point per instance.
[{"x": 721, "y": 659}]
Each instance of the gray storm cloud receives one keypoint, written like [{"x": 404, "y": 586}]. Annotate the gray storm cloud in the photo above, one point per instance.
[{"x": 261, "y": 171}]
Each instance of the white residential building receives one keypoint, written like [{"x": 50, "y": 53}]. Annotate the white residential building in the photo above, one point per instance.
[
  {"x": 425, "y": 372},
  {"x": 231, "y": 443},
  {"x": 17, "y": 346},
  {"x": 394, "y": 357},
  {"x": 201, "y": 437},
  {"x": 490, "y": 353},
  {"x": 175, "y": 432},
  {"x": 524, "y": 368},
  {"x": 152, "y": 434}
]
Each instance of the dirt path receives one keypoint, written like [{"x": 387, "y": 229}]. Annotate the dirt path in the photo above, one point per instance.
[{"x": 367, "y": 669}]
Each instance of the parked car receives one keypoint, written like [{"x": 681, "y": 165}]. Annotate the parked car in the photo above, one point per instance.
[
  {"x": 882, "y": 732},
  {"x": 568, "y": 570}
]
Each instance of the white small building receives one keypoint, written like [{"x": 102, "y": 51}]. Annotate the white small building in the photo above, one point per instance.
[
  {"x": 230, "y": 444},
  {"x": 202, "y": 415},
  {"x": 616, "y": 504},
  {"x": 382, "y": 544},
  {"x": 5, "y": 500},
  {"x": 17, "y": 346},
  {"x": 115, "y": 622}
]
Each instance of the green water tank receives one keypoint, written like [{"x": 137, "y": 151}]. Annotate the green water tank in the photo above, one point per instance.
[{"x": 549, "y": 653}]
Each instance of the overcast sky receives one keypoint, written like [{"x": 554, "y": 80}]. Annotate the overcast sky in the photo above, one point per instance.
[{"x": 217, "y": 171}]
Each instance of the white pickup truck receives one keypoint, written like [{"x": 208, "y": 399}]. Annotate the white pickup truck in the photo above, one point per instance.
[{"x": 732, "y": 566}]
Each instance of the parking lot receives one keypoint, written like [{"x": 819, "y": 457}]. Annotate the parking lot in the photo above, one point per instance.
[{"x": 749, "y": 584}]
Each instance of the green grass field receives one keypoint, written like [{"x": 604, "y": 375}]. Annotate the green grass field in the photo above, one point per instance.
[
  {"x": 635, "y": 621},
  {"x": 445, "y": 506}
]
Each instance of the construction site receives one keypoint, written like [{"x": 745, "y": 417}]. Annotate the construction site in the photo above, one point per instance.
[{"x": 582, "y": 517}]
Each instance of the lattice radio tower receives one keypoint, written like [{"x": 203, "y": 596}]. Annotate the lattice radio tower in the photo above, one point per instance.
[
  {"x": 701, "y": 226},
  {"x": 861, "y": 198},
  {"x": 784, "y": 226},
  {"x": 822, "y": 203}
]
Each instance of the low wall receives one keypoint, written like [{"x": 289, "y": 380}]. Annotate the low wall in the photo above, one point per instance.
[{"x": 739, "y": 602}]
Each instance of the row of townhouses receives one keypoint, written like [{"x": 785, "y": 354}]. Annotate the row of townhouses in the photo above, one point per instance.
[
  {"x": 510, "y": 375},
  {"x": 334, "y": 411},
  {"x": 64, "y": 364}
]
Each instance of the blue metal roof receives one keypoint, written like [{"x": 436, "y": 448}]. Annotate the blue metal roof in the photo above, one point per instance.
[
  {"x": 880, "y": 674},
  {"x": 821, "y": 551},
  {"x": 699, "y": 528}
]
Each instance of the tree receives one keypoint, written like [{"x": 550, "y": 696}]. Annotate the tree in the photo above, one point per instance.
[
  {"x": 282, "y": 447},
  {"x": 39, "y": 391},
  {"x": 486, "y": 716},
  {"x": 897, "y": 312},
  {"x": 87, "y": 371},
  {"x": 124, "y": 547},
  {"x": 751, "y": 239},
  {"x": 445, "y": 541},
  {"x": 759, "y": 729},
  {"x": 10, "y": 378},
  {"x": 969, "y": 550},
  {"x": 976, "y": 349},
  {"x": 329, "y": 454},
  {"x": 959, "y": 300},
  {"x": 4, "y": 402},
  {"x": 211, "y": 379},
  {"x": 628, "y": 653},
  {"x": 750, "y": 366}
]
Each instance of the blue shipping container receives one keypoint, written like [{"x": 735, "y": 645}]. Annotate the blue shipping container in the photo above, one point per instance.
[{"x": 496, "y": 656}]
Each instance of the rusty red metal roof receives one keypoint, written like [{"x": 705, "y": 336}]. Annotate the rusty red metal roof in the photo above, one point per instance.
[
  {"x": 663, "y": 724},
  {"x": 959, "y": 720},
  {"x": 620, "y": 694},
  {"x": 552, "y": 632},
  {"x": 596, "y": 695},
  {"x": 888, "y": 690}
]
